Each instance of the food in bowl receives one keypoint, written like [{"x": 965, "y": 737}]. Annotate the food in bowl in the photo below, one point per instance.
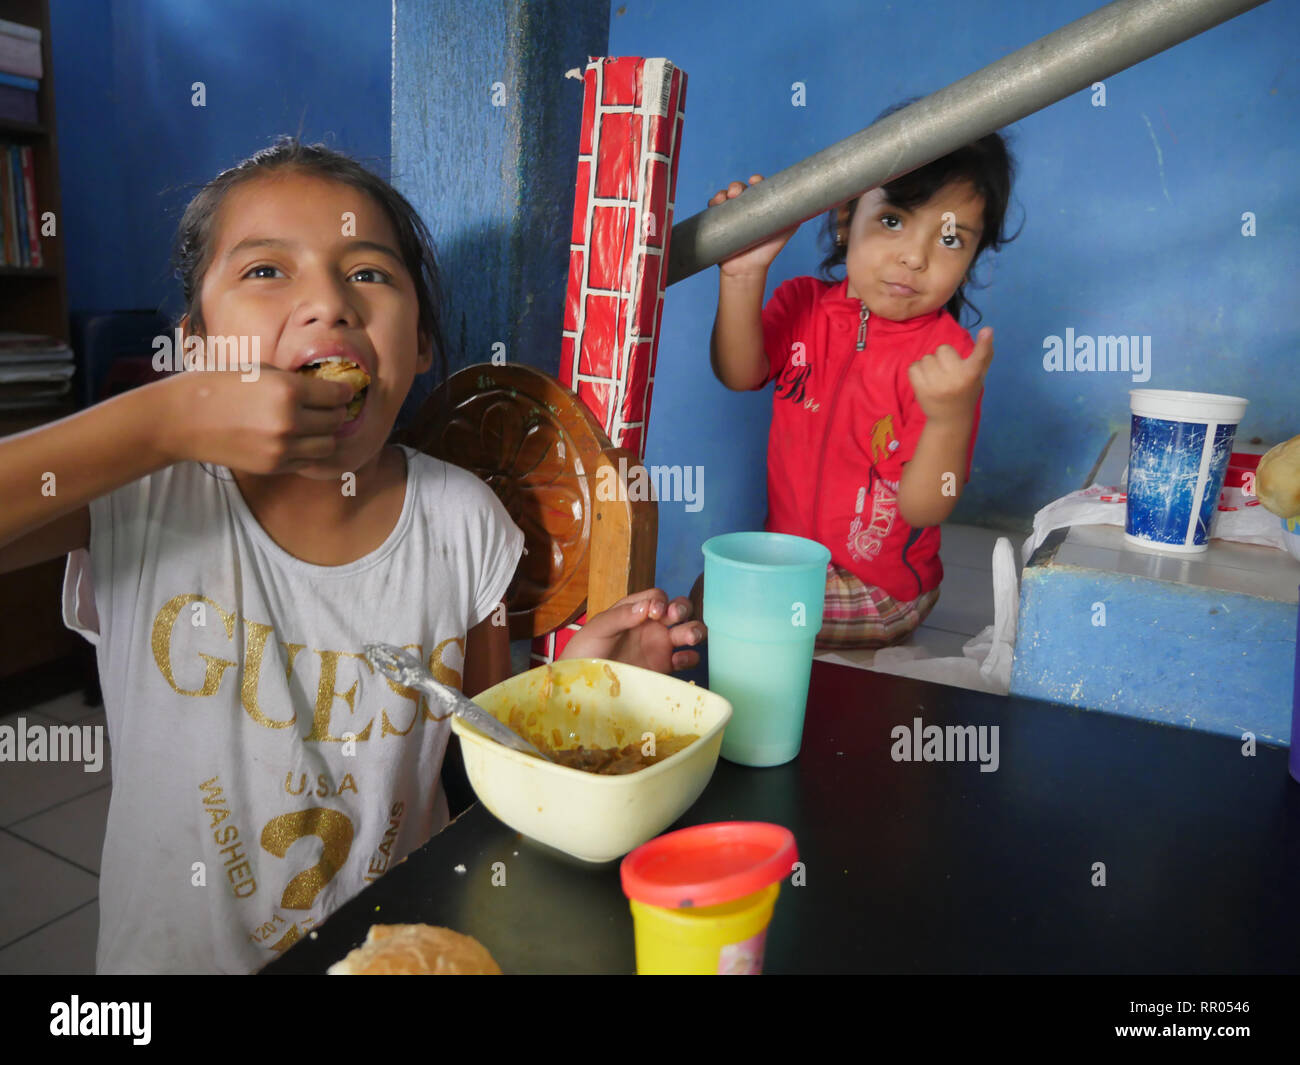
[
  {"x": 612, "y": 761},
  {"x": 596, "y": 705},
  {"x": 616, "y": 761}
]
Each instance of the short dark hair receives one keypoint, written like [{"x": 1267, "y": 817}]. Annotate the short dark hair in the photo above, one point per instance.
[
  {"x": 192, "y": 250},
  {"x": 985, "y": 164}
]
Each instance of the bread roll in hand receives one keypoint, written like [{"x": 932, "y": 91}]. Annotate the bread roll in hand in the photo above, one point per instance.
[{"x": 339, "y": 369}]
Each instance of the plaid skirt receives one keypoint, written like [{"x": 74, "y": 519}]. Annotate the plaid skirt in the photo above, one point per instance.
[{"x": 860, "y": 615}]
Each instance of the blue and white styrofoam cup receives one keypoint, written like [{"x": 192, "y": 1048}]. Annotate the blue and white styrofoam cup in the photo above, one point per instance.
[{"x": 1178, "y": 455}]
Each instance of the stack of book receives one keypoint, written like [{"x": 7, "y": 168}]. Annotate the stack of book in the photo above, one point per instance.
[
  {"x": 20, "y": 71},
  {"x": 35, "y": 371},
  {"x": 20, "y": 74},
  {"x": 20, "y": 221}
]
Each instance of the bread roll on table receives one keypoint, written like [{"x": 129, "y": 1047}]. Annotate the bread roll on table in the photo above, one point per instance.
[{"x": 416, "y": 950}]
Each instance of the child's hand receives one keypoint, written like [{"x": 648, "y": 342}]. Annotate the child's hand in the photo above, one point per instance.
[
  {"x": 642, "y": 630},
  {"x": 755, "y": 261},
  {"x": 277, "y": 423},
  {"x": 947, "y": 386}
]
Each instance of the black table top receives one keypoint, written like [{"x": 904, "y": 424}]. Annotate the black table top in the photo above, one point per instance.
[{"x": 924, "y": 867}]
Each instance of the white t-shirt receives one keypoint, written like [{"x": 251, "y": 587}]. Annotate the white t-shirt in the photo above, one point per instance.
[{"x": 241, "y": 816}]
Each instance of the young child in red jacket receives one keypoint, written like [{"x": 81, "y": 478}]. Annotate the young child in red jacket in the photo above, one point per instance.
[{"x": 878, "y": 388}]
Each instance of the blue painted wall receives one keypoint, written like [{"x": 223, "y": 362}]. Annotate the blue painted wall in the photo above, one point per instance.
[
  {"x": 132, "y": 147},
  {"x": 1132, "y": 225}
]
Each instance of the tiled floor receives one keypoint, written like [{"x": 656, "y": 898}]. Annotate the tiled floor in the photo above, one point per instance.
[
  {"x": 52, "y": 815},
  {"x": 52, "y": 818},
  {"x": 965, "y": 604}
]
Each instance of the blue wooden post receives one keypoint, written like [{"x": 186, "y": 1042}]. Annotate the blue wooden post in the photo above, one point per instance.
[{"x": 485, "y": 145}]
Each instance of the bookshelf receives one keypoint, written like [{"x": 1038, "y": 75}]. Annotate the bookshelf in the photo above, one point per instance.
[
  {"x": 36, "y": 649},
  {"x": 36, "y": 300}
]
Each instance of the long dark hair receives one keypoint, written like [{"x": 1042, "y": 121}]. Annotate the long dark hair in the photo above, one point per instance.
[
  {"x": 192, "y": 250},
  {"x": 985, "y": 164}
]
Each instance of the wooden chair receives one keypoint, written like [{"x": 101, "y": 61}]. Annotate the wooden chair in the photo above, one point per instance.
[{"x": 587, "y": 543}]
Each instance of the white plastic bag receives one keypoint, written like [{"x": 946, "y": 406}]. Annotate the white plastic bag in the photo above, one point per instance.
[
  {"x": 986, "y": 665},
  {"x": 1095, "y": 505},
  {"x": 1102, "y": 505},
  {"x": 1249, "y": 525}
]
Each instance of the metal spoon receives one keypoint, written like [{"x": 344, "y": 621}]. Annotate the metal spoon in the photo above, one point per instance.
[{"x": 402, "y": 667}]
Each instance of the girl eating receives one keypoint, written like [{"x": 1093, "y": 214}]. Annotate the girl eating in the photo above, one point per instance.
[{"x": 235, "y": 540}]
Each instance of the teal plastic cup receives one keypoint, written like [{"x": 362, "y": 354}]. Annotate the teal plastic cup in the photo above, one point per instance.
[{"x": 763, "y": 599}]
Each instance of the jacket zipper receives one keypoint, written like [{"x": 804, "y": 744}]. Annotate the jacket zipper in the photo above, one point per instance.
[{"x": 830, "y": 423}]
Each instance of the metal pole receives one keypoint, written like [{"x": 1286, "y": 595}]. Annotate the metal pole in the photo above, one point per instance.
[{"x": 1096, "y": 46}]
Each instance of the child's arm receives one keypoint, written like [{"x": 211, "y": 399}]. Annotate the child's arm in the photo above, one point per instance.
[
  {"x": 736, "y": 346},
  {"x": 487, "y": 655},
  {"x": 48, "y": 476},
  {"x": 947, "y": 387}
]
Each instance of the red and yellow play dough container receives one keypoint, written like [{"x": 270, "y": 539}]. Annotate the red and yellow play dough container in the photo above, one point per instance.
[{"x": 702, "y": 897}]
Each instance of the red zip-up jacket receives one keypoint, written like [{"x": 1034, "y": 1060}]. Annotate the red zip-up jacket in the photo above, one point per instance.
[{"x": 844, "y": 421}]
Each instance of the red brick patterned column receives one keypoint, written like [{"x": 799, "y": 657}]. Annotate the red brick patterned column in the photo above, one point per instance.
[{"x": 618, "y": 260}]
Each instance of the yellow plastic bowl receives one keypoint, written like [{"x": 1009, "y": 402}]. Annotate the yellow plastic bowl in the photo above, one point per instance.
[{"x": 594, "y": 703}]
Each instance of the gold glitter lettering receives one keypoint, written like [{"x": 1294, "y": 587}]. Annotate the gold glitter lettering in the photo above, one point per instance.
[
  {"x": 332, "y": 828},
  {"x": 256, "y": 646},
  {"x": 440, "y": 669},
  {"x": 161, "y": 638},
  {"x": 243, "y": 876},
  {"x": 325, "y": 696},
  {"x": 443, "y": 673},
  {"x": 236, "y": 855},
  {"x": 290, "y": 653},
  {"x": 388, "y": 728},
  {"x": 227, "y": 839},
  {"x": 378, "y": 865},
  {"x": 287, "y": 940},
  {"x": 266, "y": 930}
]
